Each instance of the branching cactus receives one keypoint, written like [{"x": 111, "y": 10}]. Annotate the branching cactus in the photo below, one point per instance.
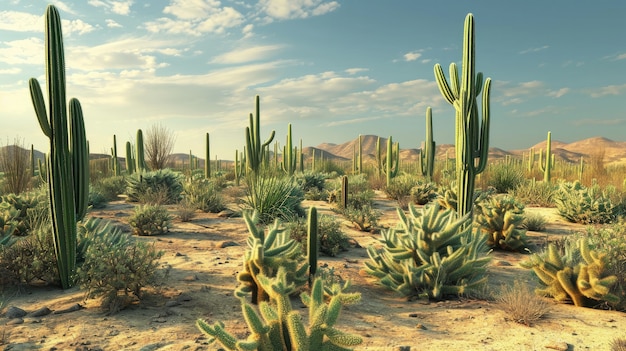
[
  {"x": 430, "y": 254},
  {"x": 266, "y": 253},
  {"x": 277, "y": 327},
  {"x": 578, "y": 276},
  {"x": 472, "y": 130},
  {"x": 289, "y": 158},
  {"x": 427, "y": 154},
  {"x": 546, "y": 164},
  {"x": 256, "y": 152},
  {"x": 500, "y": 218},
  {"x": 392, "y": 160},
  {"x": 68, "y": 160}
]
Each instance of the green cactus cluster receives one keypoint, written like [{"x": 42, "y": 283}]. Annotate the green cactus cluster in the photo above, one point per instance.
[
  {"x": 430, "y": 254},
  {"x": 501, "y": 219},
  {"x": 585, "y": 205},
  {"x": 427, "y": 154},
  {"x": 256, "y": 152},
  {"x": 266, "y": 253},
  {"x": 391, "y": 166},
  {"x": 579, "y": 275},
  {"x": 546, "y": 163},
  {"x": 289, "y": 160},
  {"x": 68, "y": 160},
  {"x": 277, "y": 326}
]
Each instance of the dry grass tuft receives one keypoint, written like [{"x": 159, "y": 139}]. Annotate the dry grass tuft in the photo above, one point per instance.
[
  {"x": 618, "y": 345},
  {"x": 521, "y": 304}
]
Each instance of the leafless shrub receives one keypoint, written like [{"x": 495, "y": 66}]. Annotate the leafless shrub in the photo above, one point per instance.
[
  {"x": 15, "y": 162},
  {"x": 521, "y": 304},
  {"x": 158, "y": 146}
]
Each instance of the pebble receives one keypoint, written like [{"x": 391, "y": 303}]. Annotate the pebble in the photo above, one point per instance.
[
  {"x": 402, "y": 348},
  {"x": 44, "y": 311},
  {"x": 15, "y": 321},
  {"x": 14, "y": 312},
  {"x": 190, "y": 278},
  {"x": 67, "y": 309},
  {"x": 558, "y": 345},
  {"x": 226, "y": 244}
]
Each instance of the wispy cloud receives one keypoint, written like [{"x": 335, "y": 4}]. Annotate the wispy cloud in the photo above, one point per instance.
[
  {"x": 558, "y": 93},
  {"x": 196, "y": 17},
  {"x": 248, "y": 54},
  {"x": 515, "y": 93},
  {"x": 117, "y": 7},
  {"x": 291, "y": 9},
  {"x": 112, "y": 24},
  {"x": 14, "y": 70},
  {"x": 608, "y": 90},
  {"x": 604, "y": 122},
  {"x": 23, "y": 51},
  {"x": 541, "y": 48},
  {"x": 412, "y": 56},
  {"x": 353, "y": 71},
  {"x": 20, "y": 21},
  {"x": 350, "y": 121}
]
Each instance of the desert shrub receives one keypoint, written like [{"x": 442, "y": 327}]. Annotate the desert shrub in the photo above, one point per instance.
[
  {"x": 157, "y": 187},
  {"x": 504, "y": 177},
  {"x": 204, "y": 195},
  {"x": 21, "y": 210},
  {"x": 521, "y": 304},
  {"x": 618, "y": 344},
  {"x": 15, "y": 164},
  {"x": 114, "y": 266},
  {"x": 331, "y": 239},
  {"x": 311, "y": 180},
  {"x": 96, "y": 199},
  {"x": 500, "y": 219},
  {"x": 400, "y": 187},
  {"x": 111, "y": 187},
  {"x": 532, "y": 193},
  {"x": 274, "y": 198},
  {"x": 585, "y": 205},
  {"x": 364, "y": 218},
  {"x": 423, "y": 193},
  {"x": 185, "y": 210},
  {"x": 150, "y": 220},
  {"x": 430, "y": 254},
  {"x": 535, "y": 222}
]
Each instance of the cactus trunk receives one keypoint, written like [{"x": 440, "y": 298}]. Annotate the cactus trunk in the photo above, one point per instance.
[
  {"x": 207, "y": 159},
  {"x": 427, "y": 154}
]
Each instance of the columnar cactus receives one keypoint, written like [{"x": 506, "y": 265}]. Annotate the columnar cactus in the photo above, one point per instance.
[
  {"x": 207, "y": 159},
  {"x": 266, "y": 253},
  {"x": 531, "y": 159},
  {"x": 379, "y": 160},
  {"x": 472, "y": 132},
  {"x": 392, "y": 161},
  {"x": 582, "y": 281},
  {"x": 114, "y": 161},
  {"x": 312, "y": 242},
  {"x": 427, "y": 154},
  {"x": 289, "y": 159},
  {"x": 68, "y": 160},
  {"x": 360, "y": 155},
  {"x": 256, "y": 152},
  {"x": 547, "y": 165},
  {"x": 140, "y": 160},
  {"x": 130, "y": 159},
  {"x": 301, "y": 158}
]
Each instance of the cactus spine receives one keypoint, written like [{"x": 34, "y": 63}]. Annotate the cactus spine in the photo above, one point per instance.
[
  {"x": 472, "y": 134},
  {"x": 68, "y": 160},
  {"x": 427, "y": 154},
  {"x": 207, "y": 159},
  {"x": 547, "y": 165},
  {"x": 255, "y": 150}
]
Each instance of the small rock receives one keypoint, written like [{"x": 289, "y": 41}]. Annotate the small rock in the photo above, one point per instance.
[
  {"x": 402, "y": 348},
  {"x": 413, "y": 315},
  {"x": 159, "y": 320},
  {"x": 14, "y": 312},
  {"x": 32, "y": 320},
  {"x": 226, "y": 214},
  {"x": 183, "y": 298},
  {"x": 558, "y": 345},
  {"x": 420, "y": 326},
  {"x": 15, "y": 321},
  {"x": 70, "y": 308},
  {"x": 114, "y": 333},
  {"x": 226, "y": 244},
  {"x": 172, "y": 303},
  {"x": 178, "y": 254},
  {"x": 190, "y": 278},
  {"x": 44, "y": 311}
]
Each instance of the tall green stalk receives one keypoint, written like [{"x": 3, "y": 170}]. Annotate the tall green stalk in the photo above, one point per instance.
[
  {"x": 114, "y": 161},
  {"x": 256, "y": 152},
  {"x": 289, "y": 159},
  {"x": 472, "y": 131},
  {"x": 140, "y": 161},
  {"x": 68, "y": 160},
  {"x": 207, "y": 159},
  {"x": 427, "y": 154},
  {"x": 547, "y": 165}
]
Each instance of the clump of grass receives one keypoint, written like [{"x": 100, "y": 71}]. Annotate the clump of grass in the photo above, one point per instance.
[
  {"x": 618, "y": 344},
  {"x": 521, "y": 304},
  {"x": 535, "y": 222}
]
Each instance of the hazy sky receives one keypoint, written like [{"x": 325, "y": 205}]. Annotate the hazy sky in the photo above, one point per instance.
[{"x": 334, "y": 69}]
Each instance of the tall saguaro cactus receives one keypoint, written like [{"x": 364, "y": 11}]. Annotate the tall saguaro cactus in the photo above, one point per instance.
[
  {"x": 207, "y": 159},
  {"x": 114, "y": 161},
  {"x": 68, "y": 160},
  {"x": 289, "y": 158},
  {"x": 140, "y": 161},
  {"x": 255, "y": 150},
  {"x": 427, "y": 154},
  {"x": 472, "y": 130},
  {"x": 547, "y": 165},
  {"x": 392, "y": 162}
]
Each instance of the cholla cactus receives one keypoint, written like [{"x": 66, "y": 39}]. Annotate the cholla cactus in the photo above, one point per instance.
[
  {"x": 278, "y": 327},
  {"x": 430, "y": 254},
  {"x": 266, "y": 254},
  {"x": 580, "y": 204},
  {"x": 579, "y": 275},
  {"x": 500, "y": 218}
]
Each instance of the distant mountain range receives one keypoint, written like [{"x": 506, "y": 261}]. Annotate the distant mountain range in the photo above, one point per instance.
[{"x": 613, "y": 152}]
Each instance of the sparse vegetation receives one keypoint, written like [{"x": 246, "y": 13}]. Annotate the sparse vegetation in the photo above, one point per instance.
[{"x": 521, "y": 304}]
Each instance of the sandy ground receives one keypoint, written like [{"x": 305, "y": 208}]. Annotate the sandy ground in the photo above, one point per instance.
[{"x": 202, "y": 279}]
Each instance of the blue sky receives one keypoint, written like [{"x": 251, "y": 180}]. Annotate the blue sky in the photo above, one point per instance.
[{"x": 334, "y": 69}]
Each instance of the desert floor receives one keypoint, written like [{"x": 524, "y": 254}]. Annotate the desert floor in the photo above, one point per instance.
[{"x": 201, "y": 282}]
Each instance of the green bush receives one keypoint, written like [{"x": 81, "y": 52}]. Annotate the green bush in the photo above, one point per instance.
[
  {"x": 500, "y": 218},
  {"x": 274, "y": 198},
  {"x": 150, "y": 220},
  {"x": 18, "y": 210},
  {"x": 96, "y": 199},
  {"x": 400, "y": 187},
  {"x": 504, "y": 177},
  {"x": 111, "y": 187},
  {"x": 364, "y": 218},
  {"x": 331, "y": 239},
  {"x": 204, "y": 195},
  {"x": 532, "y": 193},
  {"x": 423, "y": 193},
  {"x": 535, "y": 222},
  {"x": 157, "y": 187},
  {"x": 114, "y": 266},
  {"x": 585, "y": 205}
]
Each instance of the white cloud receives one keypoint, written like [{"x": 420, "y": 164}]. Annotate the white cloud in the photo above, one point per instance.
[
  {"x": 247, "y": 31},
  {"x": 534, "y": 49},
  {"x": 609, "y": 90},
  {"x": 290, "y": 9},
  {"x": 76, "y": 26},
  {"x": 352, "y": 71},
  {"x": 20, "y": 21},
  {"x": 24, "y": 51},
  {"x": 558, "y": 93},
  {"x": 196, "y": 17},
  {"x": 112, "y": 24},
  {"x": 117, "y": 7},
  {"x": 63, "y": 7},
  {"x": 14, "y": 70},
  {"x": 412, "y": 56},
  {"x": 249, "y": 54},
  {"x": 595, "y": 122}
]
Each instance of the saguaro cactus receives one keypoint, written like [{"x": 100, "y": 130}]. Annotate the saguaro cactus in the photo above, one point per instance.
[
  {"x": 312, "y": 242},
  {"x": 472, "y": 133},
  {"x": 114, "y": 161},
  {"x": 392, "y": 163},
  {"x": 255, "y": 150},
  {"x": 130, "y": 159},
  {"x": 547, "y": 165},
  {"x": 289, "y": 159},
  {"x": 207, "y": 159},
  {"x": 427, "y": 154},
  {"x": 68, "y": 160},
  {"x": 140, "y": 161}
]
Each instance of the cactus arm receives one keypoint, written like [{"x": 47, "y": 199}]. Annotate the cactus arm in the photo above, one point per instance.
[
  {"x": 80, "y": 159},
  {"x": 40, "y": 107}
]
